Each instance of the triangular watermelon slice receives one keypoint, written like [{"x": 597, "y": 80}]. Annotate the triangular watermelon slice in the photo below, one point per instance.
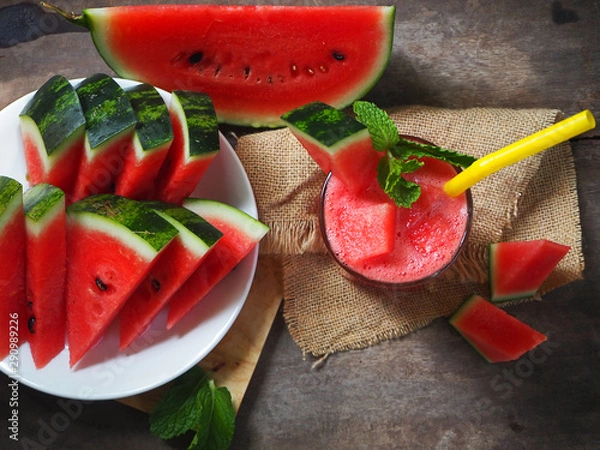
[
  {"x": 12, "y": 268},
  {"x": 517, "y": 269},
  {"x": 495, "y": 334},
  {"x": 241, "y": 233},
  {"x": 179, "y": 260},
  {"x": 112, "y": 243},
  {"x": 45, "y": 222}
]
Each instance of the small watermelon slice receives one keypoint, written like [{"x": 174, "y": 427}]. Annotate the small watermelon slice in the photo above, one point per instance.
[
  {"x": 112, "y": 243},
  {"x": 178, "y": 261},
  {"x": 152, "y": 138},
  {"x": 241, "y": 233},
  {"x": 517, "y": 269},
  {"x": 110, "y": 121},
  {"x": 12, "y": 266},
  {"x": 53, "y": 128},
  {"x": 495, "y": 334},
  {"x": 337, "y": 142},
  {"x": 45, "y": 223},
  {"x": 255, "y": 62},
  {"x": 195, "y": 145}
]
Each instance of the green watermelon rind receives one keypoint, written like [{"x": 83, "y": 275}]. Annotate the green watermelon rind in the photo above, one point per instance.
[
  {"x": 129, "y": 221},
  {"x": 154, "y": 131},
  {"x": 42, "y": 203},
  {"x": 11, "y": 200}
]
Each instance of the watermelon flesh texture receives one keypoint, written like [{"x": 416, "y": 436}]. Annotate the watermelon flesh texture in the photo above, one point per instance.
[
  {"x": 12, "y": 269},
  {"x": 241, "y": 233},
  {"x": 255, "y": 62},
  {"x": 46, "y": 270},
  {"x": 518, "y": 268},
  {"x": 495, "y": 334}
]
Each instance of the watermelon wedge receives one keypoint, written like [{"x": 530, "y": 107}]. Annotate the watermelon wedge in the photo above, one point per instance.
[
  {"x": 110, "y": 121},
  {"x": 45, "y": 223},
  {"x": 53, "y": 127},
  {"x": 517, "y": 269},
  {"x": 337, "y": 142},
  {"x": 255, "y": 62},
  {"x": 173, "y": 266},
  {"x": 241, "y": 233},
  {"x": 195, "y": 145},
  {"x": 152, "y": 138},
  {"x": 12, "y": 268},
  {"x": 112, "y": 243},
  {"x": 495, "y": 334}
]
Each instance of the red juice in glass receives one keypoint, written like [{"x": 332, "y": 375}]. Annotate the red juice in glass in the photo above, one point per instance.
[{"x": 379, "y": 242}]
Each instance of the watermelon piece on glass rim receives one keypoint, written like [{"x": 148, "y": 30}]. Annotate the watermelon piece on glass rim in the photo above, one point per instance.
[
  {"x": 45, "y": 223},
  {"x": 241, "y": 233},
  {"x": 195, "y": 145},
  {"x": 112, "y": 243},
  {"x": 13, "y": 301},
  {"x": 195, "y": 238}
]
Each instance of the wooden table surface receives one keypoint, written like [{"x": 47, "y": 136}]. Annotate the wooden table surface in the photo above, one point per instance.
[{"x": 427, "y": 390}]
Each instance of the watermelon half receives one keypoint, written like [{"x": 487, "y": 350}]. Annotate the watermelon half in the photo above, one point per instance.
[
  {"x": 517, "y": 269},
  {"x": 495, "y": 334},
  {"x": 45, "y": 223},
  {"x": 255, "y": 62},
  {"x": 112, "y": 243},
  {"x": 12, "y": 268},
  {"x": 241, "y": 233},
  {"x": 174, "y": 265}
]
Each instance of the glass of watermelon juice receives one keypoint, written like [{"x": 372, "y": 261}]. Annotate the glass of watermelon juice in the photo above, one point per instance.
[{"x": 379, "y": 243}]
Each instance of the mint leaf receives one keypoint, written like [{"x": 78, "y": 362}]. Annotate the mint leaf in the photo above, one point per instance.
[
  {"x": 382, "y": 129},
  {"x": 405, "y": 149},
  {"x": 177, "y": 411},
  {"x": 389, "y": 174},
  {"x": 216, "y": 424}
]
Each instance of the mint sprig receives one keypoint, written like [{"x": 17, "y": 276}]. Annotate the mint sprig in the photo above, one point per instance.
[
  {"x": 193, "y": 402},
  {"x": 401, "y": 154}
]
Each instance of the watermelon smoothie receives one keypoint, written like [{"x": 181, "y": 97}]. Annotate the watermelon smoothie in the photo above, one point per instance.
[{"x": 381, "y": 243}]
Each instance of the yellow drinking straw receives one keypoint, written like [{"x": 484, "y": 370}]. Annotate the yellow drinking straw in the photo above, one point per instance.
[{"x": 542, "y": 140}]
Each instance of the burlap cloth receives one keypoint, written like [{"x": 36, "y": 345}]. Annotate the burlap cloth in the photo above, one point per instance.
[{"x": 325, "y": 312}]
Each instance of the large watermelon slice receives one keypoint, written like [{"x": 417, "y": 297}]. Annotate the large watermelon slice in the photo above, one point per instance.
[
  {"x": 53, "y": 127},
  {"x": 255, "y": 62},
  {"x": 517, "y": 269},
  {"x": 152, "y": 138},
  {"x": 45, "y": 223},
  {"x": 12, "y": 266},
  {"x": 112, "y": 243},
  {"x": 194, "y": 147},
  {"x": 241, "y": 233},
  {"x": 495, "y": 334},
  {"x": 179, "y": 260},
  {"x": 337, "y": 142}
]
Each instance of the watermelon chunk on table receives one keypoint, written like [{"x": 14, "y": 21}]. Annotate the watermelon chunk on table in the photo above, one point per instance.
[
  {"x": 495, "y": 334},
  {"x": 12, "y": 266},
  {"x": 517, "y": 269},
  {"x": 45, "y": 222},
  {"x": 112, "y": 243},
  {"x": 241, "y": 233}
]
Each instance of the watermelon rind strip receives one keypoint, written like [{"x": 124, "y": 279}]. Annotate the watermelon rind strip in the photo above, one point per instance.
[
  {"x": 11, "y": 200},
  {"x": 42, "y": 203}
]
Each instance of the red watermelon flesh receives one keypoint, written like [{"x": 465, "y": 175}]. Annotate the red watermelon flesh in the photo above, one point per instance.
[
  {"x": 241, "y": 233},
  {"x": 256, "y": 62},
  {"x": 136, "y": 180},
  {"x": 495, "y": 334},
  {"x": 46, "y": 268},
  {"x": 518, "y": 268},
  {"x": 12, "y": 269}
]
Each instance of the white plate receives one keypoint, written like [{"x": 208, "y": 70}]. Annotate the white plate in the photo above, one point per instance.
[{"x": 159, "y": 355}]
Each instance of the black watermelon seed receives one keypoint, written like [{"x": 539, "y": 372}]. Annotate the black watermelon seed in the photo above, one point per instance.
[
  {"x": 338, "y": 55},
  {"x": 100, "y": 284},
  {"x": 31, "y": 324},
  {"x": 195, "y": 58},
  {"x": 156, "y": 284}
]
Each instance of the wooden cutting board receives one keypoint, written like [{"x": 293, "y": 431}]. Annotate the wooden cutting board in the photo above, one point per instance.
[{"x": 234, "y": 359}]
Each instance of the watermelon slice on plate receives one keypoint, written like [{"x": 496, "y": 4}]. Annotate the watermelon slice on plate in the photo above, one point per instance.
[
  {"x": 12, "y": 269},
  {"x": 255, "y": 62},
  {"x": 517, "y": 269},
  {"x": 241, "y": 233},
  {"x": 45, "y": 223},
  {"x": 112, "y": 243},
  {"x": 495, "y": 334},
  {"x": 180, "y": 259}
]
